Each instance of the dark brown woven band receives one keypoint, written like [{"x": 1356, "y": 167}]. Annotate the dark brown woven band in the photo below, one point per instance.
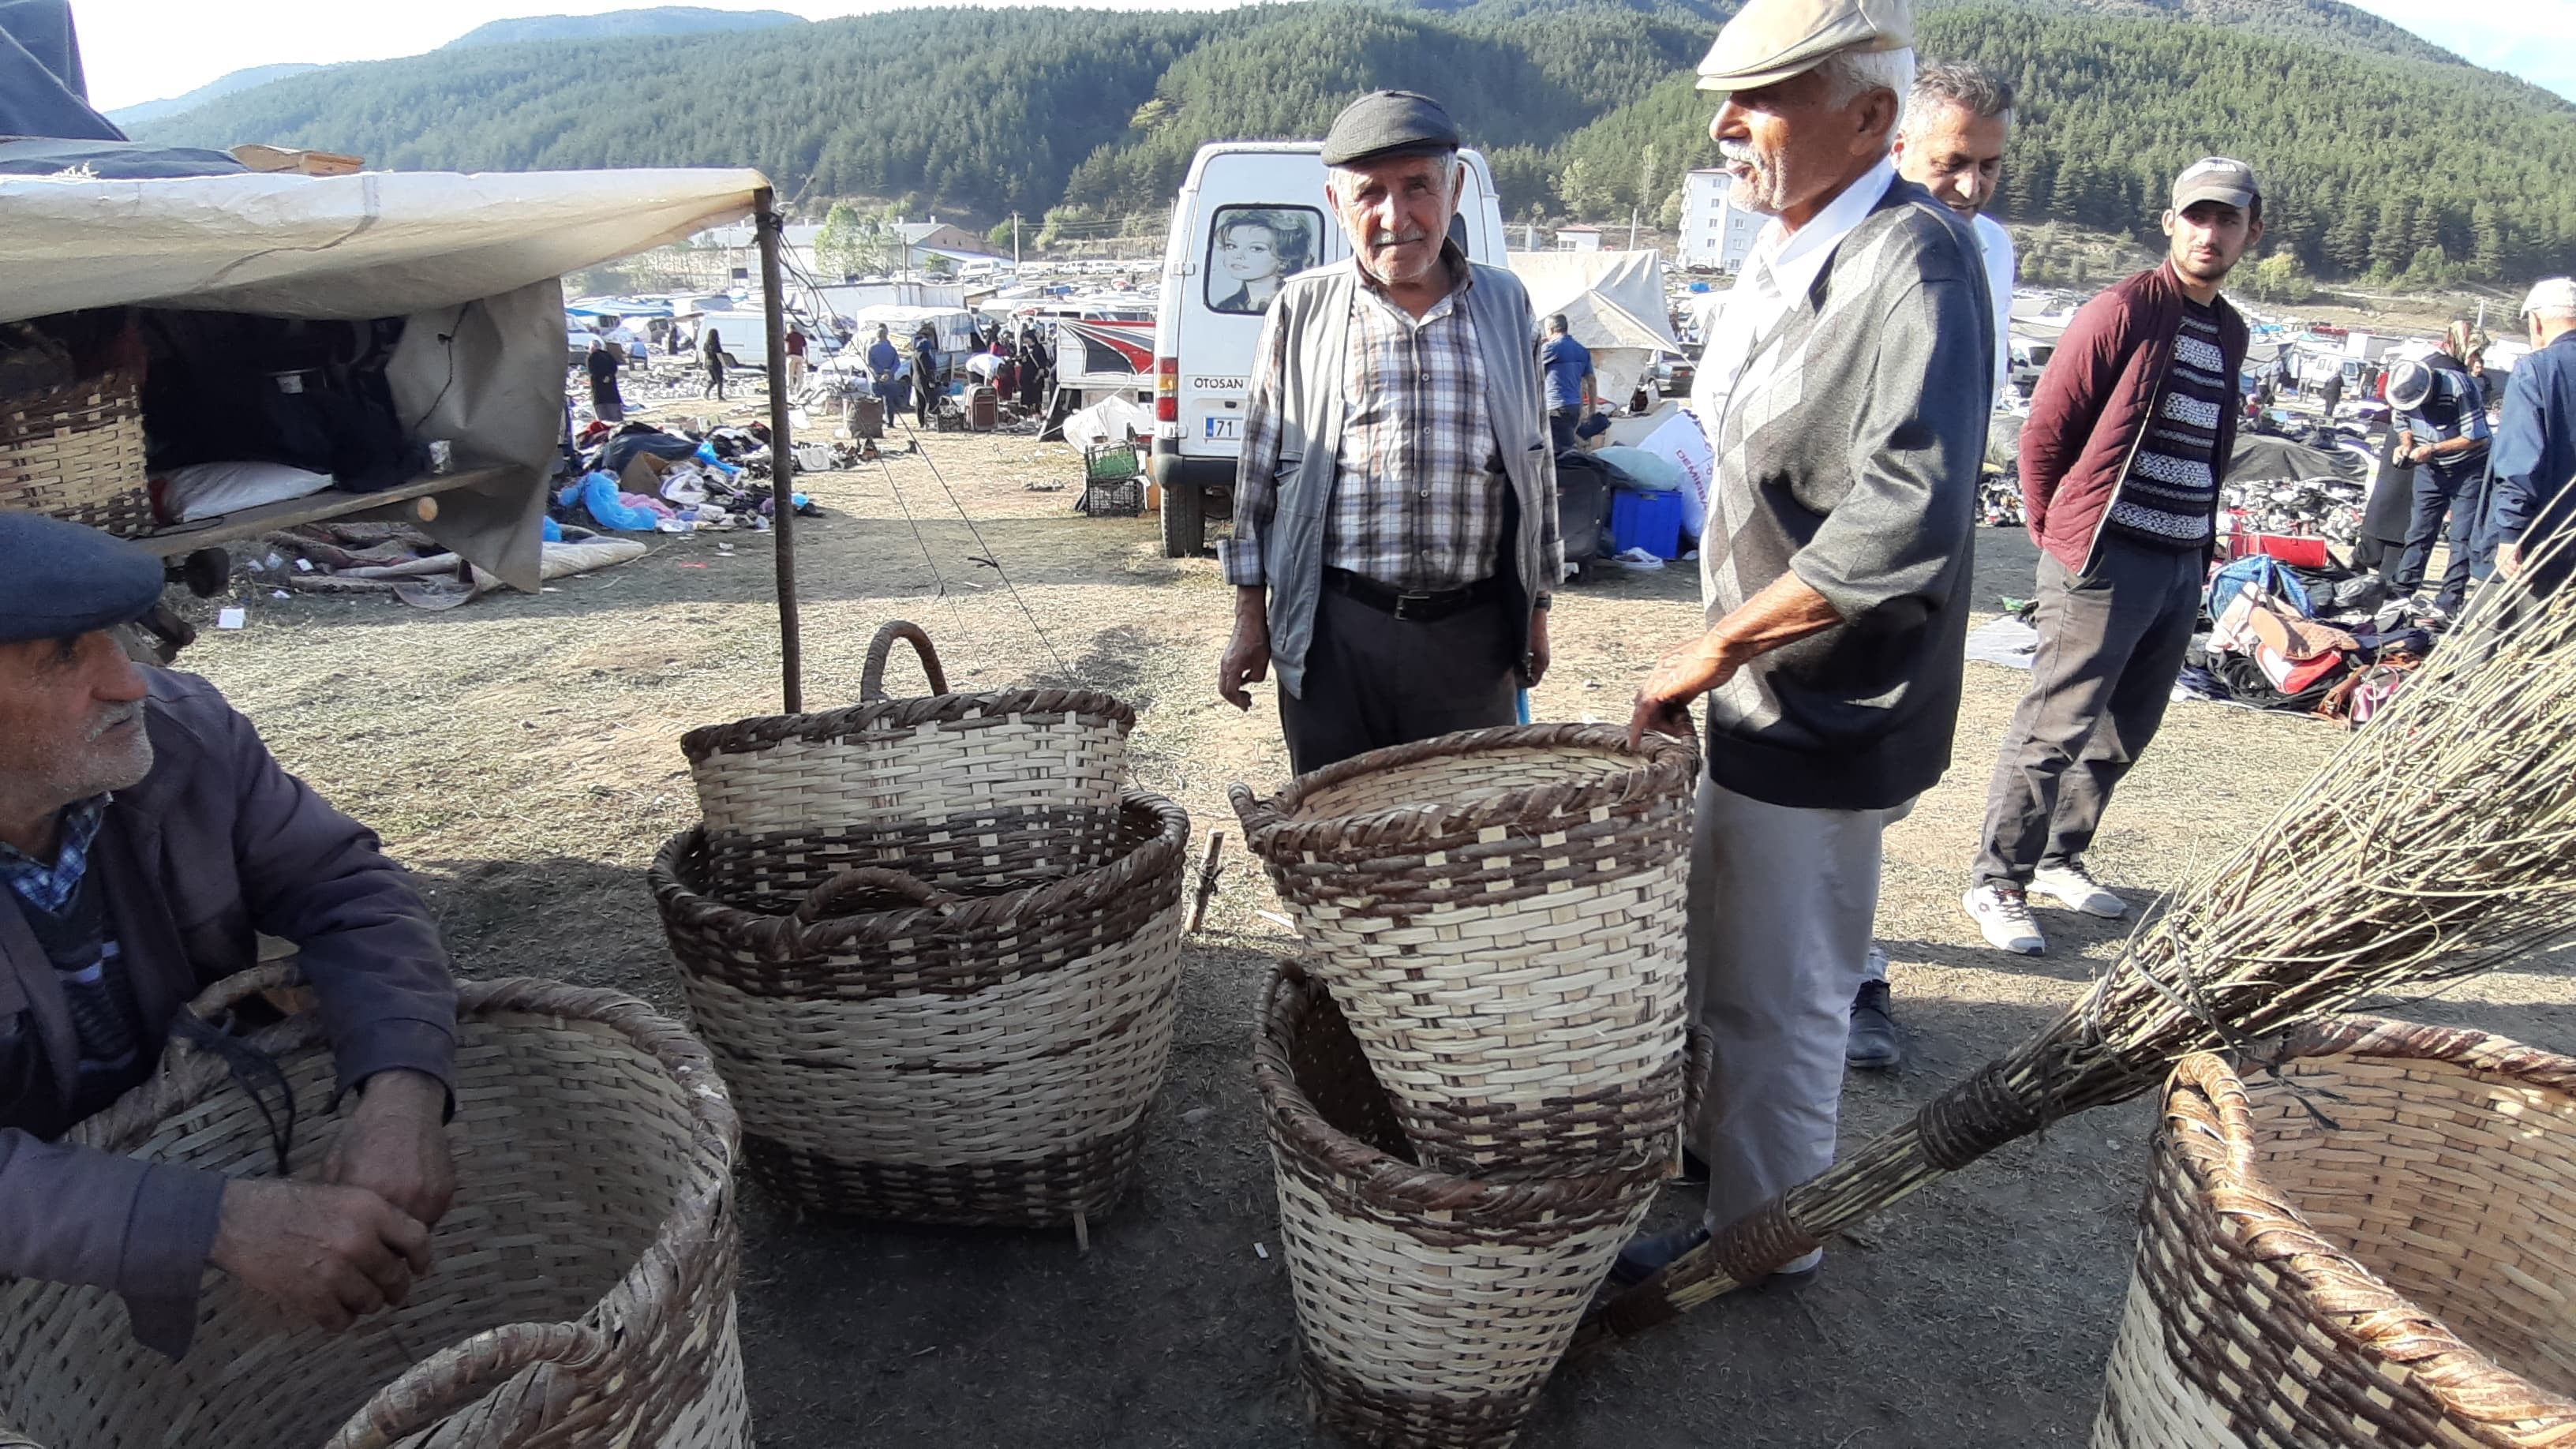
[
  {"x": 1088, "y": 1178},
  {"x": 1389, "y": 1420},
  {"x": 993, "y": 709},
  {"x": 1609, "y": 1130},
  {"x": 1974, "y": 1118},
  {"x": 1754, "y": 1248}
]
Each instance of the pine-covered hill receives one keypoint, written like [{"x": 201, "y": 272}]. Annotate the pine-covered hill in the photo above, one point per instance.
[{"x": 2381, "y": 153}]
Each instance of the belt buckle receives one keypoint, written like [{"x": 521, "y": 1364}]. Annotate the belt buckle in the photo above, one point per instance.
[{"x": 1406, "y": 603}]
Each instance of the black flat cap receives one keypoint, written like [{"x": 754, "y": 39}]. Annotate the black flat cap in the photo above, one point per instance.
[
  {"x": 1389, "y": 123},
  {"x": 58, "y": 579}
]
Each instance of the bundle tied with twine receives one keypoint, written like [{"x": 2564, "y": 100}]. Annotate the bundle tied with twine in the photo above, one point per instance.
[{"x": 2438, "y": 842}]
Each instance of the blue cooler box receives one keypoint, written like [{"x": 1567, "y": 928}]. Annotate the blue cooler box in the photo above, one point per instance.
[{"x": 1651, "y": 521}]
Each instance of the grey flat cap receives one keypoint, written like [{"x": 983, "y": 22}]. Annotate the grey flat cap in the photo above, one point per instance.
[
  {"x": 58, "y": 579},
  {"x": 2215, "y": 178},
  {"x": 1769, "y": 41},
  {"x": 1389, "y": 123}
]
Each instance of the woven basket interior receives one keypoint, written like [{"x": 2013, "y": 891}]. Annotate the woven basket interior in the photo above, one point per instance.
[
  {"x": 572, "y": 1145},
  {"x": 2457, "y": 1187},
  {"x": 1462, "y": 780}
]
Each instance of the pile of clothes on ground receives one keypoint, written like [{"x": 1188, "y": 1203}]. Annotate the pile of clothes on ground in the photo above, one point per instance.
[
  {"x": 2321, "y": 641},
  {"x": 401, "y": 561},
  {"x": 642, "y": 478}
]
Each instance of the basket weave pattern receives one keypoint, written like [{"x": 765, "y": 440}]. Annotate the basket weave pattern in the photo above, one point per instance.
[
  {"x": 2375, "y": 1248},
  {"x": 970, "y": 1060},
  {"x": 76, "y": 452},
  {"x": 1432, "y": 1307},
  {"x": 1499, "y": 913},
  {"x": 582, "y": 1292}
]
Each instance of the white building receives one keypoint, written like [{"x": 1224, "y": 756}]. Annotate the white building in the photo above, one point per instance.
[
  {"x": 1578, "y": 238},
  {"x": 1717, "y": 234}
]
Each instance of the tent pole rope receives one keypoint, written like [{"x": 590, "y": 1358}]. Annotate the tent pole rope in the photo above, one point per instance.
[{"x": 782, "y": 461}]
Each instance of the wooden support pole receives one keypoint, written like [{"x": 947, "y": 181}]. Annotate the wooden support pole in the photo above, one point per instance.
[{"x": 782, "y": 459}]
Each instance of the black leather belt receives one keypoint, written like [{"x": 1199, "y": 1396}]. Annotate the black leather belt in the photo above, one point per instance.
[{"x": 1412, "y": 606}]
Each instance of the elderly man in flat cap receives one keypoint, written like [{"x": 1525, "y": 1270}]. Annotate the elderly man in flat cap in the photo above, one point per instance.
[
  {"x": 1845, "y": 392},
  {"x": 146, "y": 836},
  {"x": 1395, "y": 543}
]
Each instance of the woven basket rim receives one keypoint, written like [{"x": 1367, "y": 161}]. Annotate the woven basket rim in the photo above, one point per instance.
[
  {"x": 890, "y": 716},
  {"x": 78, "y": 395},
  {"x": 1666, "y": 766},
  {"x": 645, "y": 1294},
  {"x": 1381, "y": 1179},
  {"x": 2208, "y": 1121},
  {"x": 677, "y": 875}
]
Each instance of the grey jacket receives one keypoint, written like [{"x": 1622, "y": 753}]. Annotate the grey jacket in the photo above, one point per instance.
[
  {"x": 1317, "y": 304},
  {"x": 215, "y": 845},
  {"x": 1849, "y": 456}
]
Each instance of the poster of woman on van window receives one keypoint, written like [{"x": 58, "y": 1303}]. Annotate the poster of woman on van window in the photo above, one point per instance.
[{"x": 1258, "y": 250}]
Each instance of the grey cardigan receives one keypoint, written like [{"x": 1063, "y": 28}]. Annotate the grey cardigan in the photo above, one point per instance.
[
  {"x": 1848, "y": 456},
  {"x": 1317, "y": 306},
  {"x": 216, "y": 844}
]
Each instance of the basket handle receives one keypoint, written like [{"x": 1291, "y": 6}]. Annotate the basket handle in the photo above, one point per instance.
[
  {"x": 241, "y": 986},
  {"x": 825, "y": 899},
  {"x": 1249, "y": 808},
  {"x": 872, "y": 679}
]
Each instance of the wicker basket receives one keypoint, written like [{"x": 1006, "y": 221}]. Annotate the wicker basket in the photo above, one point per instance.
[
  {"x": 1500, "y": 914},
  {"x": 901, "y": 1051},
  {"x": 1431, "y": 1307},
  {"x": 76, "y": 452},
  {"x": 2374, "y": 1246},
  {"x": 962, "y": 790},
  {"x": 583, "y": 1288}
]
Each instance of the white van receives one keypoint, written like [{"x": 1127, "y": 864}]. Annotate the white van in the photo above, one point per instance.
[{"x": 1251, "y": 213}]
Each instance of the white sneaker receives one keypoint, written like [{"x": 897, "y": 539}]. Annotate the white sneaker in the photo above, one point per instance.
[
  {"x": 2003, "y": 913},
  {"x": 2073, "y": 887}
]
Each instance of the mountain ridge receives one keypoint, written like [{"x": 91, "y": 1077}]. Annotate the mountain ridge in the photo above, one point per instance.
[{"x": 620, "y": 25}]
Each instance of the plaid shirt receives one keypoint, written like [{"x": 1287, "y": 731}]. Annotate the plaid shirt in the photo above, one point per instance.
[
  {"x": 1418, "y": 493},
  {"x": 86, "y": 959},
  {"x": 49, "y": 888}
]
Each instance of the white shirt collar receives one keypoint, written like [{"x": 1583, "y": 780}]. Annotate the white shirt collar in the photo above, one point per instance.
[{"x": 1794, "y": 258}]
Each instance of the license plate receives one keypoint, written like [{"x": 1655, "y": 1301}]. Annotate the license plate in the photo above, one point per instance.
[{"x": 1225, "y": 430}]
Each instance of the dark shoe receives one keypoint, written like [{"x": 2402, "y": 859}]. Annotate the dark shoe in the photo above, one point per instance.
[
  {"x": 1872, "y": 1045},
  {"x": 1649, "y": 1252}
]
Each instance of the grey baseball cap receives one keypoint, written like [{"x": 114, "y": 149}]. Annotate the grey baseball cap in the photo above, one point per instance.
[
  {"x": 1390, "y": 123},
  {"x": 2216, "y": 178}
]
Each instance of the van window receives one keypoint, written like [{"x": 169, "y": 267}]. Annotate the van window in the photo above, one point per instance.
[{"x": 1252, "y": 249}]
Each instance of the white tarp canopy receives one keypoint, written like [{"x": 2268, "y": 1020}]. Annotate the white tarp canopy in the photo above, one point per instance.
[
  {"x": 1613, "y": 304},
  {"x": 471, "y": 262},
  {"x": 378, "y": 244}
]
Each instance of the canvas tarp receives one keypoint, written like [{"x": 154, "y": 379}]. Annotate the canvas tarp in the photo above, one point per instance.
[
  {"x": 1613, "y": 304},
  {"x": 472, "y": 262}
]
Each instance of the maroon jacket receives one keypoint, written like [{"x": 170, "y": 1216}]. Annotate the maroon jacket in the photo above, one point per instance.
[
  {"x": 215, "y": 845},
  {"x": 2094, "y": 401}
]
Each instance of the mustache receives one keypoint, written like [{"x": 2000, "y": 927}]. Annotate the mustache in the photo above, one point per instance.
[
  {"x": 121, "y": 714},
  {"x": 1395, "y": 239},
  {"x": 1739, "y": 152}
]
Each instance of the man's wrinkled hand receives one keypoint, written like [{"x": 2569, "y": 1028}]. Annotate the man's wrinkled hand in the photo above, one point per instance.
[
  {"x": 329, "y": 1255},
  {"x": 2509, "y": 560},
  {"x": 1664, "y": 701},
  {"x": 1538, "y": 649},
  {"x": 395, "y": 1145},
  {"x": 1246, "y": 661}
]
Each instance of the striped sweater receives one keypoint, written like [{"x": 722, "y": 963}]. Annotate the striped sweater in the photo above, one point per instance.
[{"x": 2169, "y": 496}]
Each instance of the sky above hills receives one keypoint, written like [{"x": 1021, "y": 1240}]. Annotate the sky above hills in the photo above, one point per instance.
[{"x": 143, "y": 50}]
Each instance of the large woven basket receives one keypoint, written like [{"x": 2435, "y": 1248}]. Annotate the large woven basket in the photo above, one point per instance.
[
  {"x": 959, "y": 789},
  {"x": 901, "y": 1049},
  {"x": 76, "y": 452},
  {"x": 1431, "y": 1308},
  {"x": 1499, "y": 913},
  {"x": 583, "y": 1289},
  {"x": 2375, "y": 1246}
]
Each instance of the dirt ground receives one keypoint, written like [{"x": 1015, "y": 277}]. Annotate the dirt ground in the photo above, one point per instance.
[{"x": 520, "y": 753}]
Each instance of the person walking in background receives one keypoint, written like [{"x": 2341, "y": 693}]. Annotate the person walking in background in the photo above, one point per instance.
[
  {"x": 795, "y": 348},
  {"x": 1395, "y": 546},
  {"x": 1958, "y": 122},
  {"x": 2535, "y": 443},
  {"x": 2441, "y": 423},
  {"x": 1846, "y": 394},
  {"x": 885, "y": 369},
  {"x": 605, "y": 402},
  {"x": 1033, "y": 366},
  {"x": 1567, "y": 367},
  {"x": 2128, "y": 435},
  {"x": 711, "y": 351},
  {"x": 925, "y": 373}
]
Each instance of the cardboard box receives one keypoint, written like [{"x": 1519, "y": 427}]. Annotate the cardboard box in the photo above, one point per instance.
[{"x": 300, "y": 163}]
